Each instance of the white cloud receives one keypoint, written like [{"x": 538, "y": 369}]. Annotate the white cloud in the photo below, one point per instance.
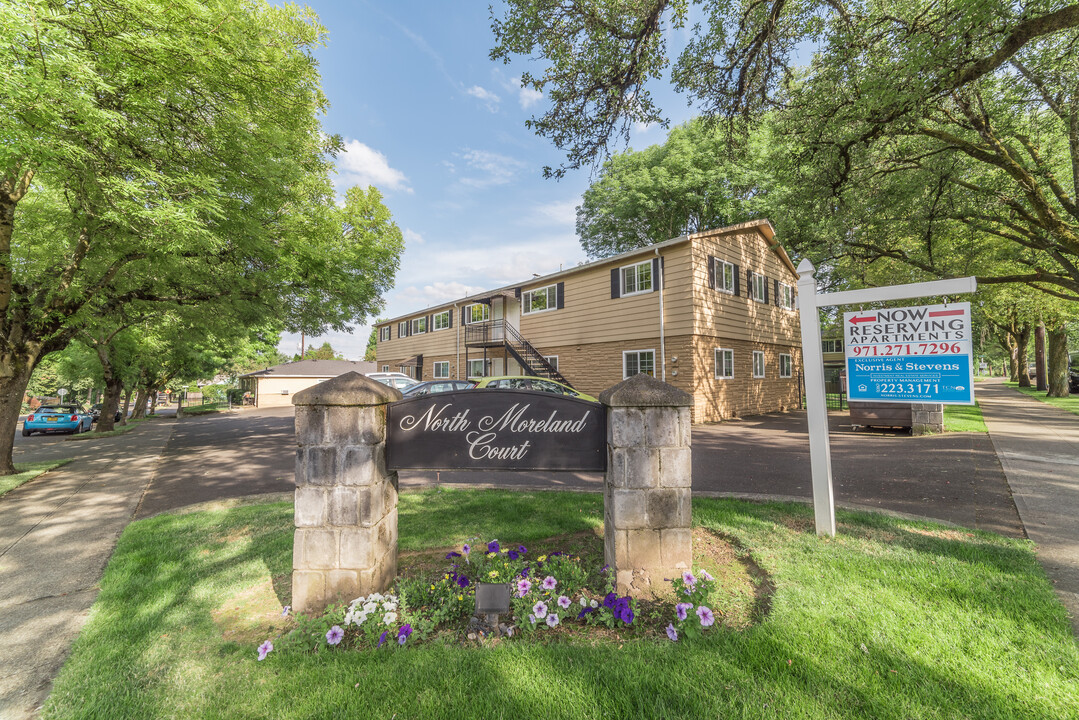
[
  {"x": 526, "y": 95},
  {"x": 412, "y": 237},
  {"x": 416, "y": 297},
  {"x": 487, "y": 97},
  {"x": 556, "y": 213},
  {"x": 641, "y": 127},
  {"x": 363, "y": 166},
  {"x": 495, "y": 169}
]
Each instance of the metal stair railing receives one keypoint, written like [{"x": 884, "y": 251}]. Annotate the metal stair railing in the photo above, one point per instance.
[{"x": 530, "y": 357}]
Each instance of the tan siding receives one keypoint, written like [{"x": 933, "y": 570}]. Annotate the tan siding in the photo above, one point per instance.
[
  {"x": 442, "y": 343},
  {"x": 720, "y": 399},
  {"x": 278, "y": 391}
]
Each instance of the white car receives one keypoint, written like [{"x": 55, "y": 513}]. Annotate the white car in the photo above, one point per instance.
[{"x": 393, "y": 379}]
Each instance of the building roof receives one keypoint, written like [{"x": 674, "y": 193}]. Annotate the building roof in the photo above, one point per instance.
[
  {"x": 764, "y": 226},
  {"x": 315, "y": 369}
]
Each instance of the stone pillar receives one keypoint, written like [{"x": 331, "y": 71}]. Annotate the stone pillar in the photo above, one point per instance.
[
  {"x": 647, "y": 492},
  {"x": 346, "y": 501},
  {"x": 926, "y": 418}
]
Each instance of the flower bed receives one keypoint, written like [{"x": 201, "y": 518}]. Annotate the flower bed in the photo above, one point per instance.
[{"x": 553, "y": 594}]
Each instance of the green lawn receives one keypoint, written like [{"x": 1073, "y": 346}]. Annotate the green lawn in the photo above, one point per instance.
[
  {"x": 1070, "y": 403},
  {"x": 964, "y": 418},
  {"x": 890, "y": 619},
  {"x": 132, "y": 423},
  {"x": 206, "y": 409},
  {"x": 27, "y": 472}
]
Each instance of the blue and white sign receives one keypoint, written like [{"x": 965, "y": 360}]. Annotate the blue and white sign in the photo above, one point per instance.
[{"x": 914, "y": 354}]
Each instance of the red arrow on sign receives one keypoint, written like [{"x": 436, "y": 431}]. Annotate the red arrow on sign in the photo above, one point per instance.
[
  {"x": 943, "y": 313},
  {"x": 868, "y": 318}
]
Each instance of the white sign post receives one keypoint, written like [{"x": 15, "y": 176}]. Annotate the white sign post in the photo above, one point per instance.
[
  {"x": 61, "y": 392},
  {"x": 809, "y": 304}
]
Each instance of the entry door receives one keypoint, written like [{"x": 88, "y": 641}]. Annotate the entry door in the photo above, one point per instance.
[
  {"x": 498, "y": 312},
  {"x": 513, "y": 313}
]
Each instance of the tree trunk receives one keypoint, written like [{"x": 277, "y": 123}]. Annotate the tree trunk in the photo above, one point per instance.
[
  {"x": 1012, "y": 371},
  {"x": 1022, "y": 344},
  {"x": 153, "y": 400},
  {"x": 140, "y": 404},
  {"x": 127, "y": 406},
  {"x": 1039, "y": 356},
  {"x": 1058, "y": 361},
  {"x": 106, "y": 421},
  {"x": 12, "y": 389}
]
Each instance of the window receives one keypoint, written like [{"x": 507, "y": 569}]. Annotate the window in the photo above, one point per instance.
[
  {"x": 385, "y": 368},
  {"x": 384, "y": 333},
  {"x": 724, "y": 363},
  {"x": 477, "y": 313},
  {"x": 759, "y": 288},
  {"x": 758, "y": 364},
  {"x": 638, "y": 361},
  {"x": 784, "y": 366},
  {"x": 440, "y": 321},
  {"x": 442, "y": 369},
  {"x": 540, "y": 299},
  {"x": 831, "y": 346},
  {"x": 786, "y": 296},
  {"x": 475, "y": 368},
  {"x": 419, "y": 326},
  {"x": 552, "y": 360},
  {"x": 724, "y": 276},
  {"x": 402, "y": 329},
  {"x": 637, "y": 278}
]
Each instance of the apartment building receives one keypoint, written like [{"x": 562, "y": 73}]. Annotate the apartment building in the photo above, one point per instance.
[{"x": 712, "y": 313}]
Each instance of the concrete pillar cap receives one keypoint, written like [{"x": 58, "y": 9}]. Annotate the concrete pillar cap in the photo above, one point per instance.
[
  {"x": 351, "y": 389},
  {"x": 643, "y": 390}
]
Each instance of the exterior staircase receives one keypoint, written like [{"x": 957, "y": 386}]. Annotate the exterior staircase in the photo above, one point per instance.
[{"x": 499, "y": 333}]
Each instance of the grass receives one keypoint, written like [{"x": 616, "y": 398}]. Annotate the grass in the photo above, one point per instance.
[
  {"x": 132, "y": 423},
  {"x": 1070, "y": 403},
  {"x": 206, "y": 409},
  {"x": 27, "y": 472},
  {"x": 890, "y": 619},
  {"x": 964, "y": 418}
]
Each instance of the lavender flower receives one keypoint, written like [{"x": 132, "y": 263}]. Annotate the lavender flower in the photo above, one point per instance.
[
  {"x": 285, "y": 610},
  {"x": 672, "y": 633},
  {"x": 549, "y": 583},
  {"x": 493, "y": 546},
  {"x": 532, "y": 619},
  {"x": 563, "y": 602},
  {"x": 335, "y": 635},
  {"x": 403, "y": 633},
  {"x": 706, "y": 616},
  {"x": 552, "y": 620},
  {"x": 523, "y": 586},
  {"x": 706, "y": 576},
  {"x": 466, "y": 550},
  {"x": 688, "y": 579},
  {"x": 540, "y": 609},
  {"x": 382, "y": 638},
  {"x": 265, "y": 649},
  {"x": 681, "y": 609}
]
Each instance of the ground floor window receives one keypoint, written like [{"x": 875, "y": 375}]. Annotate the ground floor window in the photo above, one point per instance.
[
  {"x": 475, "y": 368},
  {"x": 385, "y": 368},
  {"x": 552, "y": 360},
  {"x": 724, "y": 363},
  {"x": 442, "y": 369},
  {"x": 785, "y": 366},
  {"x": 638, "y": 361},
  {"x": 758, "y": 364}
]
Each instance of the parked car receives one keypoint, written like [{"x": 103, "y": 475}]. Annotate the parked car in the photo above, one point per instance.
[
  {"x": 95, "y": 412},
  {"x": 66, "y": 418},
  {"x": 528, "y": 382},
  {"x": 394, "y": 379},
  {"x": 437, "y": 386}
]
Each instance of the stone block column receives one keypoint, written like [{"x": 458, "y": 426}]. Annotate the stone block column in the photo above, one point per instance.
[
  {"x": 647, "y": 492},
  {"x": 346, "y": 501},
  {"x": 926, "y": 418}
]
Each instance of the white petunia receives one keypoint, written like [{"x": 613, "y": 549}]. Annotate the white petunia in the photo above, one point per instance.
[
  {"x": 584, "y": 601},
  {"x": 595, "y": 604},
  {"x": 389, "y": 618}
]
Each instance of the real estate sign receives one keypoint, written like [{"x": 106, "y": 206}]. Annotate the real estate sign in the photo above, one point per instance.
[{"x": 912, "y": 354}]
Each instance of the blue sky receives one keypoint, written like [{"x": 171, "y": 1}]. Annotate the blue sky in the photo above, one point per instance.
[{"x": 440, "y": 130}]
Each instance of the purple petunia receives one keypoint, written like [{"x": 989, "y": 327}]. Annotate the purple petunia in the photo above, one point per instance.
[
  {"x": 513, "y": 554},
  {"x": 672, "y": 633},
  {"x": 523, "y": 586},
  {"x": 522, "y": 549},
  {"x": 681, "y": 609},
  {"x": 462, "y": 581},
  {"x": 608, "y": 600},
  {"x": 552, "y": 620},
  {"x": 452, "y": 555},
  {"x": 334, "y": 635},
  {"x": 265, "y": 649},
  {"x": 285, "y": 610},
  {"x": 540, "y": 609},
  {"x": 563, "y": 602},
  {"x": 549, "y": 583},
  {"x": 403, "y": 633},
  {"x": 584, "y": 612},
  {"x": 706, "y": 576},
  {"x": 532, "y": 619},
  {"x": 706, "y": 616},
  {"x": 524, "y": 573},
  {"x": 382, "y": 638},
  {"x": 493, "y": 546},
  {"x": 623, "y": 611},
  {"x": 688, "y": 579}
]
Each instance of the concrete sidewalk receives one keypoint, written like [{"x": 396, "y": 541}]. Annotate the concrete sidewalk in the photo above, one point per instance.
[
  {"x": 1038, "y": 447},
  {"x": 55, "y": 540}
]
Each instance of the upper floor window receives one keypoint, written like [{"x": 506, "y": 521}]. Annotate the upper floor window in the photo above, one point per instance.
[
  {"x": 759, "y": 286},
  {"x": 638, "y": 361},
  {"x": 540, "y": 299},
  {"x": 637, "y": 278},
  {"x": 831, "y": 346},
  {"x": 384, "y": 333},
  {"x": 786, "y": 296},
  {"x": 419, "y": 325},
  {"x": 725, "y": 276},
  {"x": 402, "y": 329},
  {"x": 441, "y": 321},
  {"x": 477, "y": 313}
]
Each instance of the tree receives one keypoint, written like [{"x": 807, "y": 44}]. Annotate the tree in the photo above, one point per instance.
[
  {"x": 370, "y": 352},
  {"x": 324, "y": 352},
  {"x": 170, "y": 153}
]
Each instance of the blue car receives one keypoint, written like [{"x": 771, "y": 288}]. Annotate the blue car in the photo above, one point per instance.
[{"x": 57, "y": 418}]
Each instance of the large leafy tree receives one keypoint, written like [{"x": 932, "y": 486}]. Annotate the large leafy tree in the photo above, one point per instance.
[{"x": 169, "y": 152}]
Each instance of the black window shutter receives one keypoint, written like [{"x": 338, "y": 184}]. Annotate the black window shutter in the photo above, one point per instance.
[
  {"x": 765, "y": 283},
  {"x": 517, "y": 293},
  {"x": 775, "y": 286},
  {"x": 712, "y": 272},
  {"x": 749, "y": 284},
  {"x": 464, "y": 315},
  {"x": 737, "y": 278},
  {"x": 561, "y": 293},
  {"x": 450, "y": 316},
  {"x": 616, "y": 286},
  {"x": 655, "y": 274}
]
